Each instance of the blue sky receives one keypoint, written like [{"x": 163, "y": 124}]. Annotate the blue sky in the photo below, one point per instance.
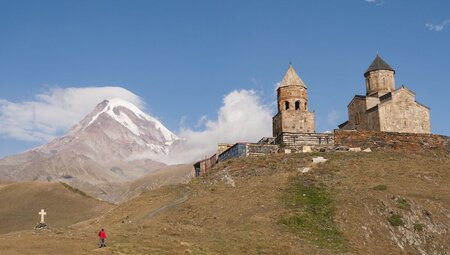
[{"x": 183, "y": 57}]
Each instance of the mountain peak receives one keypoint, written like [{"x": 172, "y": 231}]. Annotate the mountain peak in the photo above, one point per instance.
[
  {"x": 116, "y": 129},
  {"x": 129, "y": 116}
]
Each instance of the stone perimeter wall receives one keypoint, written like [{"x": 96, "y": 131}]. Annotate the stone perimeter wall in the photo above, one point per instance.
[
  {"x": 396, "y": 141},
  {"x": 255, "y": 149},
  {"x": 298, "y": 140},
  {"x": 330, "y": 141}
]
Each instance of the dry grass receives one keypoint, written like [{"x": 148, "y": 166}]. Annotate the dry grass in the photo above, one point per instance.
[
  {"x": 21, "y": 202},
  {"x": 341, "y": 212}
]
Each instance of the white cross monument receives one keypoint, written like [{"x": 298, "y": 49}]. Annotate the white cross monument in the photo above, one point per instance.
[{"x": 42, "y": 213}]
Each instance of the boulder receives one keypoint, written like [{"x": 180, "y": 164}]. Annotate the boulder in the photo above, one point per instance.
[{"x": 318, "y": 160}]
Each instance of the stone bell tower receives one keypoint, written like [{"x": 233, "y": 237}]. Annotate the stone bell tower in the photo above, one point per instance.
[
  {"x": 379, "y": 78},
  {"x": 293, "y": 115}
]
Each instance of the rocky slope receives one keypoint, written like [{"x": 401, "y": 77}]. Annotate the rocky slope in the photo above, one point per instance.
[{"x": 384, "y": 202}]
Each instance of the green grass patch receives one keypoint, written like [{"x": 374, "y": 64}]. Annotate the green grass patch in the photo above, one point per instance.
[
  {"x": 402, "y": 203},
  {"x": 419, "y": 227},
  {"x": 311, "y": 211},
  {"x": 75, "y": 190},
  {"x": 396, "y": 220},
  {"x": 380, "y": 187}
]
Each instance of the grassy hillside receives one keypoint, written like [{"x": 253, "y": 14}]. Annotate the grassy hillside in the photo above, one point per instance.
[
  {"x": 355, "y": 203},
  {"x": 21, "y": 202},
  {"x": 164, "y": 176},
  {"x": 120, "y": 192}
]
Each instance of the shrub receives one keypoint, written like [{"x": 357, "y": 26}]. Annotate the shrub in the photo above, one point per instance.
[
  {"x": 419, "y": 227},
  {"x": 75, "y": 190},
  {"x": 396, "y": 220},
  {"x": 380, "y": 187},
  {"x": 402, "y": 203}
]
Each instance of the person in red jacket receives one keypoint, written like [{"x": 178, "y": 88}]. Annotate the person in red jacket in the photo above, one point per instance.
[{"x": 102, "y": 238}]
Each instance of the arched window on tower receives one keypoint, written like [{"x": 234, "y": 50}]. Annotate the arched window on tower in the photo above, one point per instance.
[
  {"x": 286, "y": 105},
  {"x": 297, "y": 105}
]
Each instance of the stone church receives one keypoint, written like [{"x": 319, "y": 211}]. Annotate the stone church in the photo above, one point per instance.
[{"x": 385, "y": 108}]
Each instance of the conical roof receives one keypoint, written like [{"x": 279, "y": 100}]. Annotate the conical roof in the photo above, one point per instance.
[
  {"x": 291, "y": 78},
  {"x": 378, "y": 64}
]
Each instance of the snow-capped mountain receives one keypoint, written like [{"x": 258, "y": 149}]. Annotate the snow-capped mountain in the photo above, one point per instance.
[
  {"x": 116, "y": 130},
  {"x": 131, "y": 117},
  {"x": 116, "y": 142}
]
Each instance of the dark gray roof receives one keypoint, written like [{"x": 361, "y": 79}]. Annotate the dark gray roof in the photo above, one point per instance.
[
  {"x": 343, "y": 124},
  {"x": 386, "y": 96},
  {"x": 372, "y": 109},
  {"x": 378, "y": 64}
]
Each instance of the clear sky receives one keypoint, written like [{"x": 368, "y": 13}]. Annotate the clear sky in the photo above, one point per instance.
[{"x": 183, "y": 57}]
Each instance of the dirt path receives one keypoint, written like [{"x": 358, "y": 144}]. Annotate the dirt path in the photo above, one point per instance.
[{"x": 169, "y": 205}]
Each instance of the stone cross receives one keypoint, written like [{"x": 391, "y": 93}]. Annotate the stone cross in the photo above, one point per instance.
[{"x": 42, "y": 213}]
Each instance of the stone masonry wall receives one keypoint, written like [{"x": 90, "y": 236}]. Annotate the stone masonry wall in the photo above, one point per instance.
[
  {"x": 357, "y": 118},
  {"x": 292, "y": 94},
  {"x": 396, "y": 141},
  {"x": 294, "y": 121},
  {"x": 254, "y": 149},
  {"x": 297, "y": 122},
  {"x": 297, "y": 140},
  {"x": 404, "y": 114},
  {"x": 380, "y": 82}
]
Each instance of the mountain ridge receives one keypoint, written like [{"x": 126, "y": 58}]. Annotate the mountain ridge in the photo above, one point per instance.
[{"x": 116, "y": 142}]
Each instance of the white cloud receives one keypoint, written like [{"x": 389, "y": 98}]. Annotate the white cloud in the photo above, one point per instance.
[
  {"x": 438, "y": 27},
  {"x": 202, "y": 121},
  {"x": 54, "y": 111},
  {"x": 242, "y": 118},
  {"x": 377, "y": 2}
]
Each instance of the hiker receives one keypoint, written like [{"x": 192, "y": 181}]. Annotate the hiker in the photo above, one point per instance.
[{"x": 102, "y": 237}]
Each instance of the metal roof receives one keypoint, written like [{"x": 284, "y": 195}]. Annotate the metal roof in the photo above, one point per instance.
[{"x": 378, "y": 64}]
